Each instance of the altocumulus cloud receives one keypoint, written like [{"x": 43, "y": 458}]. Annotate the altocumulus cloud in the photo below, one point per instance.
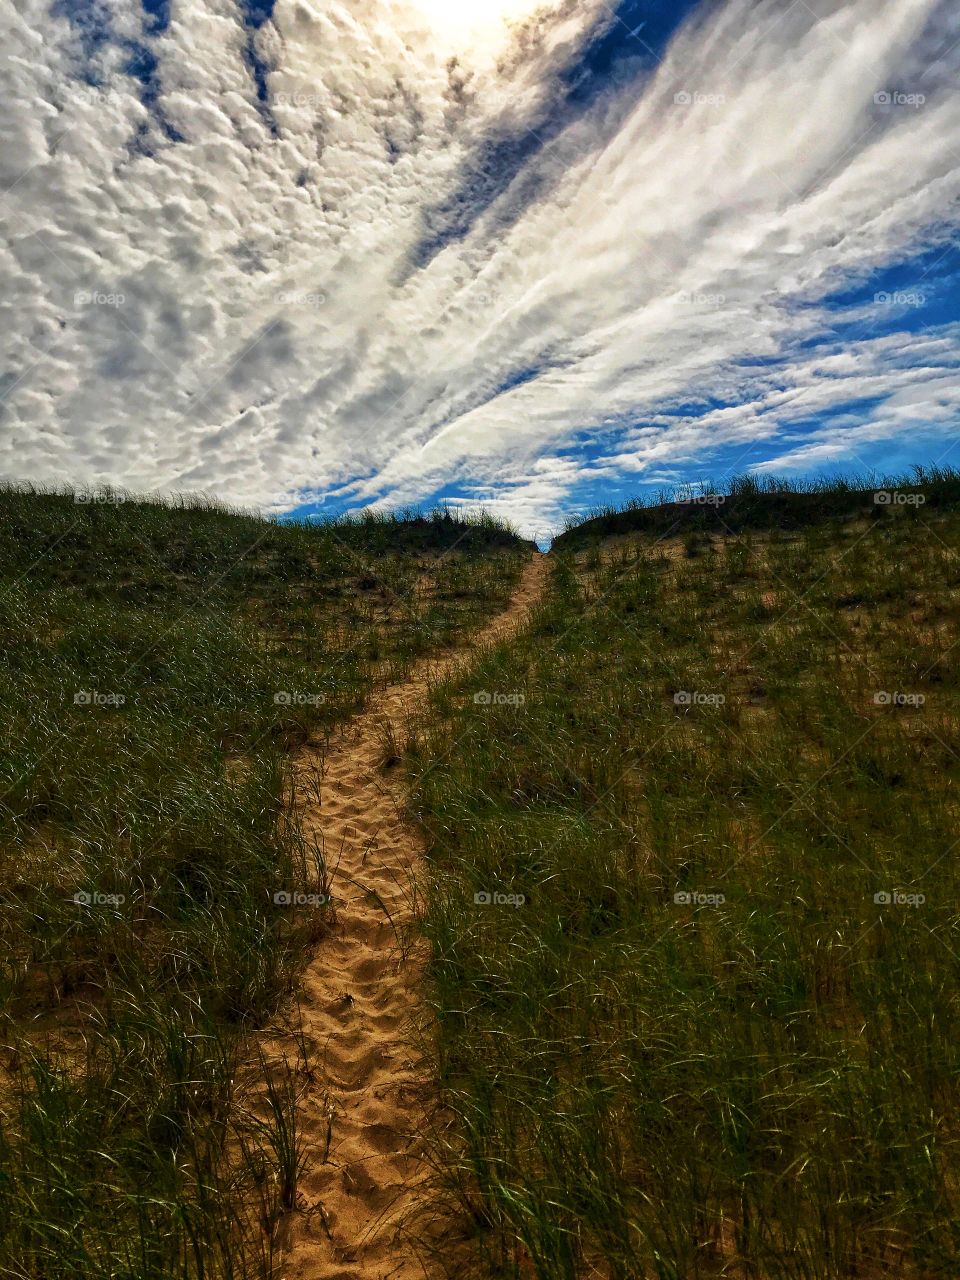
[{"x": 287, "y": 250}]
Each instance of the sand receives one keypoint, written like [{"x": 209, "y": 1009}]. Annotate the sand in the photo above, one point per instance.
[{"x": 366, "y": 1104}]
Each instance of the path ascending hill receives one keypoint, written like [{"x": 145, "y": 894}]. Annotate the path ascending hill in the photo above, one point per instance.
[{"x": 364, "y": 1164}]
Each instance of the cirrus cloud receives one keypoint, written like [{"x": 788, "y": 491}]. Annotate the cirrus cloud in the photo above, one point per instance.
[{"x": 305, "y": 250}]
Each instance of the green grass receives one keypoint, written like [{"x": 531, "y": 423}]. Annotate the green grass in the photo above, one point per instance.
[
  {"x": 701, "y": 1047},
  {"x": 763, "y": 502},
  {"x": 158, "y": 663}
]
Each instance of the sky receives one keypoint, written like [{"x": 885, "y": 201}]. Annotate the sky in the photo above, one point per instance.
[{"x": 311, "y": 256}]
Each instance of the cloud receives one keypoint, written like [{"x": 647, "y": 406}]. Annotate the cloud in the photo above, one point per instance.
[{"x": 354, "y": 260}]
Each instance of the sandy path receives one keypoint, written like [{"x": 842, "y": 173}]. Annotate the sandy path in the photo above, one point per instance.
[{"x": 360, "y": 997}]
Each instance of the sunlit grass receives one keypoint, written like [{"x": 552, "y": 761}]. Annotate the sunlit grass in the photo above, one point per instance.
[
  {"x": 720, "y": 1036},
  {"x": 158, "y": 663}
]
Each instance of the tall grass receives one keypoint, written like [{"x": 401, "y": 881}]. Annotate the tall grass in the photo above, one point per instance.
[
  {"x": 760, "y": 502},
  {"x": 720, "y": 1035},
  {"x": 158, "y": 663}
]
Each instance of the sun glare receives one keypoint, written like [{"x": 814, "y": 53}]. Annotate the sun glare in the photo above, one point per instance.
[{"x": 461, "y": 17}]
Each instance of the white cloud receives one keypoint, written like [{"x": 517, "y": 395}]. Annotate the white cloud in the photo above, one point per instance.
[{"x": 275, "y": 337}]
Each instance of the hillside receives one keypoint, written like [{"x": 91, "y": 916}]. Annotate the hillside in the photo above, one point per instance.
[
  {"x": 770, "y": 503},
  {"x": 671, "y": 809},
  {"x": 694, "y": 900},
  {"x": 158, "y": 664}
]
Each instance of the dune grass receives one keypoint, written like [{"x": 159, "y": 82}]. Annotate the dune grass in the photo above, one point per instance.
[
  {"x": 762, "y": 502},
  {"x": 158, "y": 663},
  {"x": 721, "y": 1033}
]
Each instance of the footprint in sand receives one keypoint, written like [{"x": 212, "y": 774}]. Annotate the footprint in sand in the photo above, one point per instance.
[{"x": 370, "y": 1180}]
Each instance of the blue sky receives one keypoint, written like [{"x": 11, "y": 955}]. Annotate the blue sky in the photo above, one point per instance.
[{"x": 311, "y": 256}]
